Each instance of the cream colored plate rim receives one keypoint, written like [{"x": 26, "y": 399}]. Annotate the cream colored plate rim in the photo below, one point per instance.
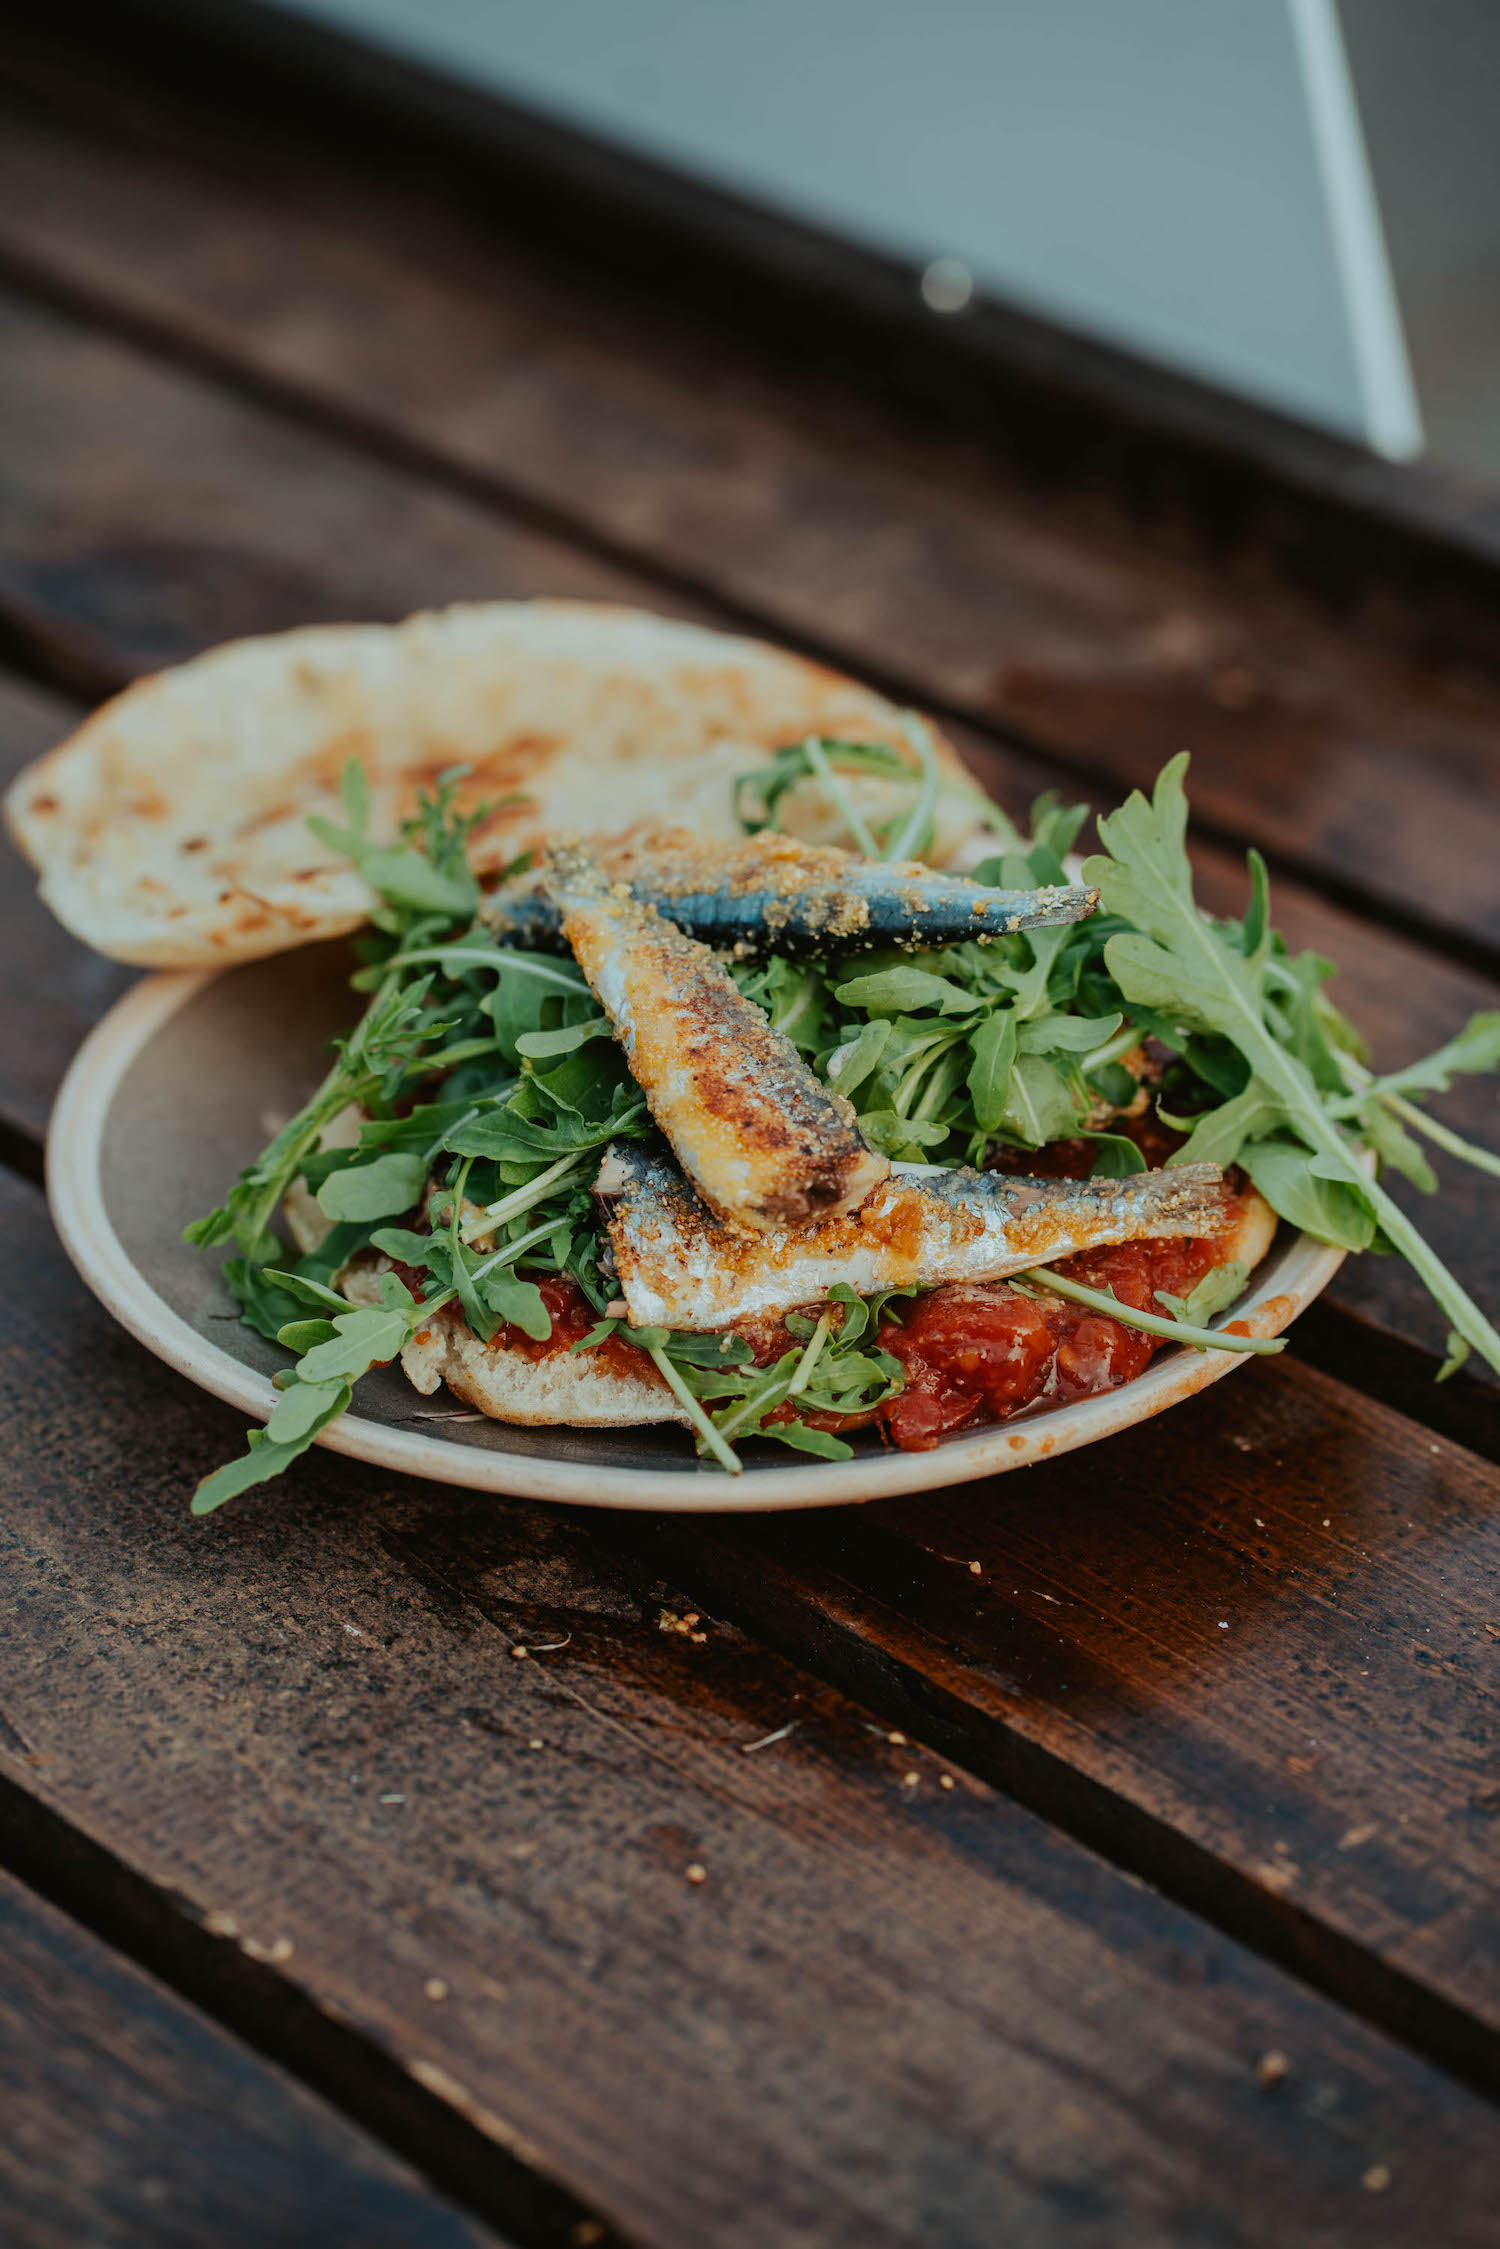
[{"x": 1288, "y": 1282}]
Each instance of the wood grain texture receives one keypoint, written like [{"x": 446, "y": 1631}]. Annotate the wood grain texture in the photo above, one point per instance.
[
  {"x": 1358, "y": 743},
  {"x": 57, "y": 989},
  {"x": 890, "y": 2012},
  {"x": 1253, "y": 1647},
  {"x": 148, "y": 515},
  {"x": 133, "y": 2122},
  {"x": 192, "y": 515}
]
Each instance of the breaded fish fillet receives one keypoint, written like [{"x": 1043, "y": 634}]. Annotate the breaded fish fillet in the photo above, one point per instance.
[
  {"x": 677, "y": 1268},
  {"x": 771, "y": 893},
  {"x": 764, "y": 1144}
]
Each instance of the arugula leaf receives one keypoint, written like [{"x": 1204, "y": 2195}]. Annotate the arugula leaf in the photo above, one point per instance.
[
  {"x": 264, "y": 1458},
  {"x": 993, "y": 1056},
  {"x": 264, "y": 1305},
  {"x": 382, "y": 1189},
  {"x": 400, "y": 874},
  {"x": 1483, "y": 1159},
  {"x": 306, "y": 1290},
  {"x": 404, "y": 1244},
  {"x": 894, "y": 991},
  {"x": 1039, "y": 1103},
  {"x": 509, "y": 1138},
  {"x": 1475, "y": 1049},
  {"x": 546, "y": 1046},
  {"x": 370, "y": 1336},
  {"x": 849, "y": 1067},
  {"x": 519, "y": 1304},
  {"x": 320, "y": 1387},
  {"x": 1054, "y": 830},
  {"x": 903, "y": 1139},
  {"x": 301, "y": 1335},
  {"x": 267, "y": 1457},
  {"x": 1053, "y": 1033},
  {"x": 1178, "y": 961},
  {"x": 803, "y": 1438},
  {"x": 1395, "y": 1146},
  {"x": 1216, "y": 1291},
  {"x": 303, "y": 1409},
  {"x": 1117, "y": 1157},
  {"x": 1457, "y": 1353},
  {"x": 428, "y": 870},
  {"x": 1218, "y": 1136},
  {"x": 386, "y": 1037},
  {"x": 792, "y": 994},
  {"x": 1045, "y": 1279},
  {"x": 758, "y": 796}
]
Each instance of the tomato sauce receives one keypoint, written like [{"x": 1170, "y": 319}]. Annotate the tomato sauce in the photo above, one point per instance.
[
  {"x": 572, "y": 1317},
  {"x": 971, "y": 1352},
  {"x": 983, "y": 1354}
]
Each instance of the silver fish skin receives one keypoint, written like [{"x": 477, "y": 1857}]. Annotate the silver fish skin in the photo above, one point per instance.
[
  {"x": 677, "y": 1268},
  {"x": 770, "y": 893},
  {"x": 765, "y": 1145}
]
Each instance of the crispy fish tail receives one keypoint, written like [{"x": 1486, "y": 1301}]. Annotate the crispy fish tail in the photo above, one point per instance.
[
  {"x": 678, "y": 1268},
  {"x": 764, "y": 1144}
]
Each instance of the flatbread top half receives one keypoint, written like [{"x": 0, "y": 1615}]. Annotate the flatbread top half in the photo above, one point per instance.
[{"x": 170, "y": 829}]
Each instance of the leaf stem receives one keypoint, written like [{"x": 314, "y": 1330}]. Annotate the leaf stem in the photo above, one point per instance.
[
  {"x": 535, "y": 1191},
  {"x": 853, "y": 819},
  {"x": 1112, "y": 1049},
  {"x": 809, "y": 1359},
  {"x": 725, "y": 1454},
  {"x": 916, "y": 829},
  {"x": 1171, "y": 1331},
  {"x": 339, "y": 1087},
  {"x": 757, "y": 1401},
  {"x": 508, "y": 1253},
  {"x": 449, "y": 1057},
  {"x": 1454, "y": 1299},
  {"x": 1419, "y": 1121}
]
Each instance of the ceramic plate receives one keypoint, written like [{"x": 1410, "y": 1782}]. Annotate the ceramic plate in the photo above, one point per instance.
[{"x": 182, "y": 1085}]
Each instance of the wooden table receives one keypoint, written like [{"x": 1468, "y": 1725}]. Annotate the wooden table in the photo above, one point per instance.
[{"x": 1106, "y": 1855}]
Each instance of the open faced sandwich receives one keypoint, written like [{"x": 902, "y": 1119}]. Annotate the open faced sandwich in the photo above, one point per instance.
[{"x": 721, "y": 1055}]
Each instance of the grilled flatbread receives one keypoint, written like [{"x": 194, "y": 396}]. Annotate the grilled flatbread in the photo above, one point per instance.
[{"x": 171, "y": 829}]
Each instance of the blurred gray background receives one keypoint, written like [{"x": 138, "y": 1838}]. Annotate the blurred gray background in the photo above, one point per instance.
[{"x": 1296, "y": 200}]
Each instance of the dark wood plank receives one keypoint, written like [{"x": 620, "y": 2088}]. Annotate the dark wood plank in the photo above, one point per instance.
[
  {"x": 133, "y": 2122},
  {"x": 146, "y": 522},
  {"x": 892, "y": 2011},
  {"x": 1362, "y": 746},
  {"x": 191, "y": 515},
  {"x": 66, "y": 987},
  {"x": 1252, "y": 1647}
]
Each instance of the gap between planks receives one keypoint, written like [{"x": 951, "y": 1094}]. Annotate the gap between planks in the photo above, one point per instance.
[
  {"x": 766, "y": 1602},
  {"x": 131, "y": 2117},
  {"x": 254, "y": 2003},
  {"x": 773, "y": 1609},
  {"x": 45, "y": 650}
]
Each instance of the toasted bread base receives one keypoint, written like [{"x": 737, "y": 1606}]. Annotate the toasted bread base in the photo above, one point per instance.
[
  {"x": 569, "y": 1388},
  {"x": 1254, "y": 1231}
]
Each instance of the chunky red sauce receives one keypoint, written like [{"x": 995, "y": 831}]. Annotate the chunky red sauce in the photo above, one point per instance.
[
  {"x": 572, "y": 1316},
  {"x": 982, "y": 1354},
  {"x": 971, "y": 1352}
]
